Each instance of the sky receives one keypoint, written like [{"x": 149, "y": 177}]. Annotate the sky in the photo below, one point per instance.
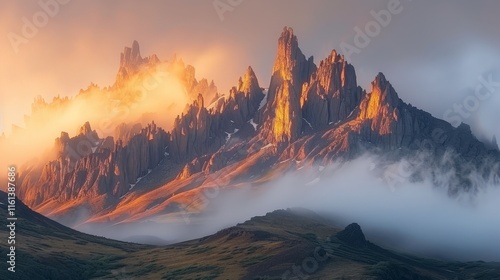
[{"x": 433, "y": 52}]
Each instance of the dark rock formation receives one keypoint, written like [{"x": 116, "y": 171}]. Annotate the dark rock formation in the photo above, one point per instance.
[
  {"x": 352, "y": 235},
  {"x": 195, "y": 133},
  {"x": 199, "y": 130},
  {"x": 243, "y": 101},
  {"x": 332, "y": 93}
]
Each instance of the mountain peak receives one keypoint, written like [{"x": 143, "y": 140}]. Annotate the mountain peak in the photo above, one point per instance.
[
  {"x": 131, "y": 56},
  {"x": 335, "y": 57},
  {"x": 135, "y": 49},
  {"x": 131, "y": 62},
  {"x": 85, "y": 129},
  {"x": 291, "y": 70},
  {"x": 289, "y": 54},
  {"x": 248, "y": 81},
  {"x": 352, "y": 235},
  {"x": 287, "y": 34},
  {"x": 380, "y": 79},
  {"x": 383, "y": 92}
]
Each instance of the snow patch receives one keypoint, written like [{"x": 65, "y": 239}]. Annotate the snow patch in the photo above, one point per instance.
[
  {"x": 139, "y": 179},
  {"x": 308, "y": 123},
  {"x": 352, "y": 112},
  {"x": 231, "y": 134},
  {"x": 215, "y": 102},
  {"x": 263, "y": 102},
  {"x": 267, "y": 146},
  {"x": 253, "y": 124}
]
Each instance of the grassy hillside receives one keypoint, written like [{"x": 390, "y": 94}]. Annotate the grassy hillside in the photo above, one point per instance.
[{"x": 281, "y": 245}]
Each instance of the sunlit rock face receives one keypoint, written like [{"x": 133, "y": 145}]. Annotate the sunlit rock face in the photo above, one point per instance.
[{"x": 282, "y": 114}]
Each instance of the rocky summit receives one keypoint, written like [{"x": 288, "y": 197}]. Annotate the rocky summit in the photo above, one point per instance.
[{"x": 309, "y": 114}]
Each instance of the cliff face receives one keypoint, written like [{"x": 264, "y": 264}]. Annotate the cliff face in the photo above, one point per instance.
[
  {"x": 199, "y": 130},
  {"x": 89, "y": 167},
  {"x": 282, "y": 116},
  {"x": 332, "y": 93},
  {"x": 243, "y": 101},
  {"x": 195, "y": 132}
]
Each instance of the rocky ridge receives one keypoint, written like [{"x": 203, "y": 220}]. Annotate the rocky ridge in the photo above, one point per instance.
[{"x": 310, "y": 114}]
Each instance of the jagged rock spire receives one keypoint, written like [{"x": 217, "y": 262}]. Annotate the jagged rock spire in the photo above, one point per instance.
[
  {"x": 290, "y": 64},
  {"x": 282, "y": 115},
  {"x": 131, "y": 62},
  {"x": 382, "y": 98},
  {"x": 332, "y": 93}
]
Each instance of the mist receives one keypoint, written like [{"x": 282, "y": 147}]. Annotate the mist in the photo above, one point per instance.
[
  {"x": 153, "y": 95},
  {"x": 417, "y": 218}
]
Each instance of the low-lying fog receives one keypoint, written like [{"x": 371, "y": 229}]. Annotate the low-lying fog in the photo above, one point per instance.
[{"x": 418, "y": 218}]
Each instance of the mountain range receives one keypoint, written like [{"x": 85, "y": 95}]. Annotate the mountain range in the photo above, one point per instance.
[{"x": 311, "y": 115}]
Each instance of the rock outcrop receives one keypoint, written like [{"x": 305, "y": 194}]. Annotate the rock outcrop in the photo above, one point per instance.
[
  {"x": 352, "y": 235},
  {"x": 199, "y": 130},
  {"x": 282, "y": 116},
  {"x": 243, "y": 100},
  {"x": 195, "y": 132},
  {"x": 131, "y": 63},
  {"x": 332, "y": 92},
  {"x": 86, "y": 169}
]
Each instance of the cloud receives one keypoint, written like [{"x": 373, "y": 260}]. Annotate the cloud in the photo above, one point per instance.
[
  {"x": 142, "y": 99},
  {"x": 417, "y": 218}
]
